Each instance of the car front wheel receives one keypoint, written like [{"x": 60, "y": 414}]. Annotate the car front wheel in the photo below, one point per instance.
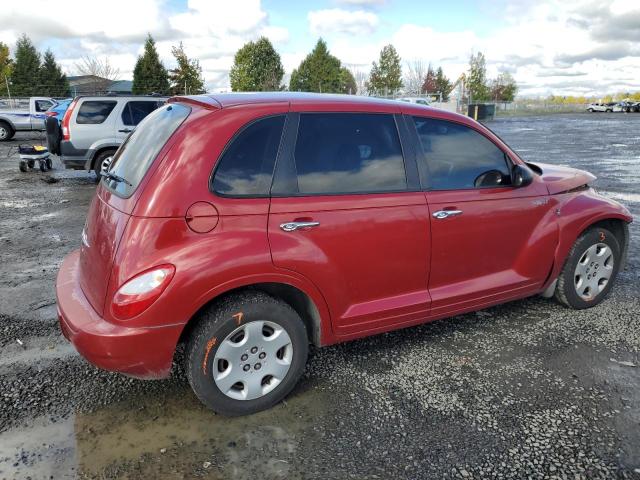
[
  {"x": 246, "y": 353},
  {"x": 590, "y": 269}
]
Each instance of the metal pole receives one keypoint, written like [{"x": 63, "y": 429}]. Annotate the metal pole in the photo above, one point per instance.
[{"x": 6, "y": 80}]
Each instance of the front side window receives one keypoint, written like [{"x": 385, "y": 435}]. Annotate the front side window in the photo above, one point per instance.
[
  {"x": 246, "y": 166},
  {"x": 348, "y": 153},
  {"x": 94, "y": 111},
  {"x": 458, "y": 157},
  {"x": 135, "y": 111}
]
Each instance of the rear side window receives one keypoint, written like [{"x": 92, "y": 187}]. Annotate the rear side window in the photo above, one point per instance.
[
  {"x": 246, "y": 166},
  {"x": 348, "y": 153},
  {"x": 458, "y": 157},
  {"x": 94, "y": 111},
  {"x": 137, "y": 153},
  {"x": 135, "y": 111}
]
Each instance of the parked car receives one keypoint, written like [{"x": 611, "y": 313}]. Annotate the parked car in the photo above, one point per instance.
[
  {"x": 600, "y": 107},
  {"x": 58, "y": 110},
  {"x": 22, "y": 114},
  {"x": 418, "y": 100},
  {"x": 94, "y": 127},
  {"x": 248, "y": 226},
  {"x": 628, "y": 107}
]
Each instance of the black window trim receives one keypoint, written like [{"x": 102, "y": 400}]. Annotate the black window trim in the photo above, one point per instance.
[
  {"x": 423, "y": 166},
  {"x": 285, "y": 163},
  {"x": 127, "y": 108},
  {"x": 228, "y": 145}
]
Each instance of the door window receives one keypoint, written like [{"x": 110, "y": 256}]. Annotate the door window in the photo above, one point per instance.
[
  {"x": 43, "y": 105},
  {"x": 458, "y": 157},
  {"x": 348, "y": 153},
  {"x": 135, "y": 111},
  {"x": 246, "y": 166},
  {"x": 94, "y": 111}
]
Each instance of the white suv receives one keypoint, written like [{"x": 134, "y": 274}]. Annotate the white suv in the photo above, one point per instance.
[{"x": 94, "y": 127}]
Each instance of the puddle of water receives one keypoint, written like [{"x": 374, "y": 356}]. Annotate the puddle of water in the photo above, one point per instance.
[
  {"x": 157, "y": 438},
  {"x": 623, "y": 196},
  {"x": 14, "y": 353}
]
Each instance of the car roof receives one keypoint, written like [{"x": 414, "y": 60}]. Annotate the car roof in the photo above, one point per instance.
[{"x": 225, "y": 100}]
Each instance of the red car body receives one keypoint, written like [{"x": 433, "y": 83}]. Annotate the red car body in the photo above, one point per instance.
[{"x": 379, "y": 262}]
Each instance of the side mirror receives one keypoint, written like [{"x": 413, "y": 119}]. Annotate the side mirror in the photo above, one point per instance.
[{"x": 521, "y": 176}]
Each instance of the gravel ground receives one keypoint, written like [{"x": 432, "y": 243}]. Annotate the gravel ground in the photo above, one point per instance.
[{"x": 529, "y": 389}]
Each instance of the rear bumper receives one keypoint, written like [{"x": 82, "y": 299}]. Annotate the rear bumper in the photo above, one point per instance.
[{"x": 140, "y": 352}]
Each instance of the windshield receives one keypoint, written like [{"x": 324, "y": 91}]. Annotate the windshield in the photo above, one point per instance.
[{"x": 137, "y": 153}]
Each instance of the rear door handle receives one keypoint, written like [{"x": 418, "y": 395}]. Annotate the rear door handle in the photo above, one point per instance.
[
  {"x": 441, "y": 214},
  {"x": 293, "y": 226},
  {"x": 125, "y": 130}
]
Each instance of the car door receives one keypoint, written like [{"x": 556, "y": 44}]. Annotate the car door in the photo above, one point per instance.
[
  {"x": 490, "y": 241},
  {"x": 133, "y": 112},
  {"x": 345, "y": 215},
  {"x": 38, "y": 115}
]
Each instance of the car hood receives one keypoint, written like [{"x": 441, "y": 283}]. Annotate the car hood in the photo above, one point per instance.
[{"x": 560, "y": 179}]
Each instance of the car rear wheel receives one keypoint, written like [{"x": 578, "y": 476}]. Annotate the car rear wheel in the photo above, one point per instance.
[
  {"x": 590, "y": 270},
  {"x": 99, "y": 162},
  {"x": 246, "y": 353},
  {"x": 6, "y": 132}
]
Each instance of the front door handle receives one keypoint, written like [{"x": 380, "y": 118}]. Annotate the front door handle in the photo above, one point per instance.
[
  {"x": 293, "y": 226},
  {"x": 125, "y": 130},
  {"x": 440, "y": 214}
]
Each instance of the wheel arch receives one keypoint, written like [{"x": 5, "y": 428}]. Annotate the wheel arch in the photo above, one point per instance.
[
  {"x": 100, "y": 150},
  {"x": 617, "y": 223},
  {"x": 313, "y": 314}
]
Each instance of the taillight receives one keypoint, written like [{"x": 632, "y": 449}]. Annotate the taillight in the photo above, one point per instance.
[
  {"x": 138, "y": 293},
  {"x": 66, "y": 135}
]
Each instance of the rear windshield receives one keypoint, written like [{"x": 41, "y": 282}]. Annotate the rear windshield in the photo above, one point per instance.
[{"x": 137, "y": 153}]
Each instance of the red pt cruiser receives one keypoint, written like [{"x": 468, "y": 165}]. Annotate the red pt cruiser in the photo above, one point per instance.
[{"x": 250, "y": 225}]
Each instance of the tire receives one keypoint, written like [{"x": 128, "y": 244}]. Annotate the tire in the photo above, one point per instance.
[
  {"x": 590, "y": 110},
  {"x": 97, "y": 162},
  {"x": 609, "y": 110},
  {"x": 213, "y": 339},
  {"x": 31, "y": 163},
  {"x": 43, "y": 165},
  {"x": 6, "y": 132},
  {"x": 49, "y": 163},
  {"x": 23, "y": 166},
  {"x": 576, "y": 291}
]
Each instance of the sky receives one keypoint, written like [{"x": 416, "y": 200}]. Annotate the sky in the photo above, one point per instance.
[{"x": 581, "y": 47}]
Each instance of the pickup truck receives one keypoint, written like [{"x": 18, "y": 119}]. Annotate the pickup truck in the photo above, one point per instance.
[{"x": 22, "y": 114}]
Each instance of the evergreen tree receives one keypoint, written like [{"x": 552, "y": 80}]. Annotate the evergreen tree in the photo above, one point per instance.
[
  {"x": 348, "y": 83},
  {"x": 256, "y": 68},
  {"x": 429, "y": 85},
  {"x": 318, "y": 72},
  {"x": 6, "y": 65},
  {"x": 186, "y": 78},
  {"x": 149, "y": 74},
  {"x": 25, "y": 75},
  {"x": 386, "y": 75},
  {"x": 53, "y": 81},
  {"x": 443, "y": 84},
  {"x": 477, "y": 78}
]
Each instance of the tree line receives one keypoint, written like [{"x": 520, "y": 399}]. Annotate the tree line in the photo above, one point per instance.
[
  {"x": 30, "y": 73},
  {"x": 257, "y": 66}
]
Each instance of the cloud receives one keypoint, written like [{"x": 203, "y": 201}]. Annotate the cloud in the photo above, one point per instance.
[
  {"x": 609, "y": 51},
  {"x": 337, "y": 20},
  {"x": 362, "y": 3}
]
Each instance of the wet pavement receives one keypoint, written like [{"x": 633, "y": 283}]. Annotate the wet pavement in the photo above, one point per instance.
[{"x": 525, "y": 390}]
